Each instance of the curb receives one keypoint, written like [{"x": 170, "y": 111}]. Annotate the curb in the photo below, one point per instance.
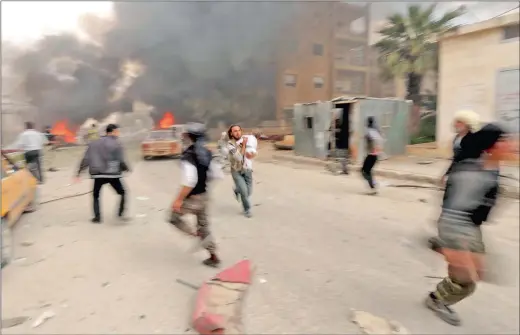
[{"x": 506, "y": 190}]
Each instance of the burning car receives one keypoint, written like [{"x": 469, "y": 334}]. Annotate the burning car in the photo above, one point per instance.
[{"x": 161, "y": 143}]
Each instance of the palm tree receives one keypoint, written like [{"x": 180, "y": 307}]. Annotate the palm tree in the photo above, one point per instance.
[{"x": 408, "y": 47}]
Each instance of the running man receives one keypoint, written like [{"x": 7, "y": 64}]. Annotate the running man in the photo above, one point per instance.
[
  {"x": 242, "y": 150},
  {"x": 106, "y": 163},
  {"x": 197, "y": 168},
  {"x": 32, "y": 143},
  {"x": 374, "y": 141},
  {"x": 466, "y": 206}
]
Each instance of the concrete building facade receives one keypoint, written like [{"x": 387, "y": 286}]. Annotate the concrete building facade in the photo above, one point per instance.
[
  {"x": 328, "y": 56},
  {"x": 479, "y": 70}
]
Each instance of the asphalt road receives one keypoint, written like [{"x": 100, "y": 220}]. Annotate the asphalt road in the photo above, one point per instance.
[{"x": 321, "y": 248}]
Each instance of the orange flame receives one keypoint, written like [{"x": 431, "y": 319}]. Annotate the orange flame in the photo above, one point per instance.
[
  {"x": 62, "y": 130},
  {"x": 167, "y": 121}
]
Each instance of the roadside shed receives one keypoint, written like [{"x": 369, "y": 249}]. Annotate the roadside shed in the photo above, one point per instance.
[{"x": 313, "y": 125}]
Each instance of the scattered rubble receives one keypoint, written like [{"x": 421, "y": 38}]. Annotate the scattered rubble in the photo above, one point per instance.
[
  {"x": 44, "y": 317},
  {"x": 371, "y": 324},
  {"x": 26, "y": 243},
  {"x": 13, "y": 322}
]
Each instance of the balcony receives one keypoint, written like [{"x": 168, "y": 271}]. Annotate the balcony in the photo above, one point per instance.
[
  {"x": 352, "y": 30},
  {"x": 344, "y": 62},
  {"x": 351, "y": 10},
  {"x": 349, "y": 36},
  {"x": 352, "y": 86}
]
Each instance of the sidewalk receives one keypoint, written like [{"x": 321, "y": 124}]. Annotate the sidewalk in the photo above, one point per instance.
[{"x": 412, "y": 169}]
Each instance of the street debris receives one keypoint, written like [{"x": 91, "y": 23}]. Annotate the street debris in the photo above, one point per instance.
[
  {"x": 371, "y": 324},
  {"x": 262, "y": 280},
  {"x": 187, "y": 284},
  {"x": 26, "y": 243},
  {"x": 44, "y": 317},
  {"x": 13, "y": 322},
  {"x": 19, "y": 260},
  {"x": 65, "y": 197},
  {"x": 416, "y": 186},
  {"x": 142, "y": 198},
  {"x": 141, "y": 215},
  {"x": 218, "y": 307}
]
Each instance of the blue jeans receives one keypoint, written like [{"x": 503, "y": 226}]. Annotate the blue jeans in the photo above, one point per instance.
[{"x": 243, "y": 186}]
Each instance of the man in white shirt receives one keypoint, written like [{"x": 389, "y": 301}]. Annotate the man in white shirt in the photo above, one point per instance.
[
  {"x": 197, "y": 169},
  {"x": 242, "y": 149},
  {"x": 32, "y": 143}
]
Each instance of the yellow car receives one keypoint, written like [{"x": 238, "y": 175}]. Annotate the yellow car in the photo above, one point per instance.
[{"x": 19, "y": 195}]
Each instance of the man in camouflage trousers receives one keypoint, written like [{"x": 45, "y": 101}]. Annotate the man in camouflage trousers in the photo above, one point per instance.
[{"x": 197, "y": 169}]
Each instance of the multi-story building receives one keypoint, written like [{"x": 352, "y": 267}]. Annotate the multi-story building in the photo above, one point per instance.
[{"x": 327, "y": 55}]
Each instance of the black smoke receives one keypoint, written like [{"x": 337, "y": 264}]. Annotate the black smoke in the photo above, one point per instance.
[{"x": 204, "y": 61}]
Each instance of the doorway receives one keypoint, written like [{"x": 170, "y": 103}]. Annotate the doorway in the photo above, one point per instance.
[{"x": 342, "y": 126}]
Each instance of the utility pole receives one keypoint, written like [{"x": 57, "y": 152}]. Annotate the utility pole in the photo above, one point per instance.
[
  {"x": 368, "y": 76},
  {"x": 332, "y": 52}
]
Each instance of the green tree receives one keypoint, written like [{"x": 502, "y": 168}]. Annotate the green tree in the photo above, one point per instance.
[{"x": 408, "y": 47}]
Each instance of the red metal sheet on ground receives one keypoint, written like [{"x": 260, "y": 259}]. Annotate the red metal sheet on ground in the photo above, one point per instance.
[
  {"x": 218, "y": 307},
  {"x": 238, "y": 273}
]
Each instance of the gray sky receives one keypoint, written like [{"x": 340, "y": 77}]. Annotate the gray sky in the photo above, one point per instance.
[{"x": 476, "y": 11}]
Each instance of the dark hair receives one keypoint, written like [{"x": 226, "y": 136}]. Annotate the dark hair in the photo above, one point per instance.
[
  {"x": 111, "y": 127},
  {"x": 371, "y": 122},
  {"x": 93, "y": 125},
  {"x": 29, "y": 125},
  {"x": 192, "y": 137},
  {"x": 231, "y": 128}
]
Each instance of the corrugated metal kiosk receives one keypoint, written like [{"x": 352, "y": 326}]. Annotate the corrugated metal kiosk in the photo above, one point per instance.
[{"x": 312, "y": 124}]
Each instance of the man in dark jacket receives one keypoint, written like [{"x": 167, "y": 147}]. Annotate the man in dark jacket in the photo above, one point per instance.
[
  {"x": 105, "y": 160},
  {"x": 197, "y": 169}
]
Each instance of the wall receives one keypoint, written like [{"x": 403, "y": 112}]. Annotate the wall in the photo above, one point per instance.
[
  {"x": 469, "y": 65},
  {"x": 310, "y": 28},
  {"x": 323, "y": 23}
]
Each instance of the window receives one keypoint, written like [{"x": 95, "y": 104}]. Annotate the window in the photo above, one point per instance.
[
  {"x": 387, "y": 120},
  {"x": 357, "y": 56},
  {"x": 317, "y": 49},
  {"x": 356, "y": 84},
  {"x": 343, "y": 86},
  {"x": 288, "y": 114},
  {"x": 290, "y": 80},
  {"x": 308, "y": 122},
  {"x": 511, "y": 32},
  {"x": 318, "y": 82}
]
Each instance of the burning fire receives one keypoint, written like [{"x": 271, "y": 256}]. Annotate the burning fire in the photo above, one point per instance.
[
  {"x": 167, "y": 121},
  {"x": 62, "y": 130}
]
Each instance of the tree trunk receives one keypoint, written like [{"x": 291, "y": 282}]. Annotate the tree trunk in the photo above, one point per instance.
[
  {"x": 414, "y": 90},
  {"x": 414, "y": 87}
]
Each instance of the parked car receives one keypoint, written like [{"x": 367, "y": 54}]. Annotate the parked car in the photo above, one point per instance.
[
  {"x": 19, "y": 195},
  {"x": 161, "y": 143}
]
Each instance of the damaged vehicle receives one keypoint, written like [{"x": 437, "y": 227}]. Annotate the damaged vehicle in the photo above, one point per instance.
[{"x": 161, "y": 143}]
